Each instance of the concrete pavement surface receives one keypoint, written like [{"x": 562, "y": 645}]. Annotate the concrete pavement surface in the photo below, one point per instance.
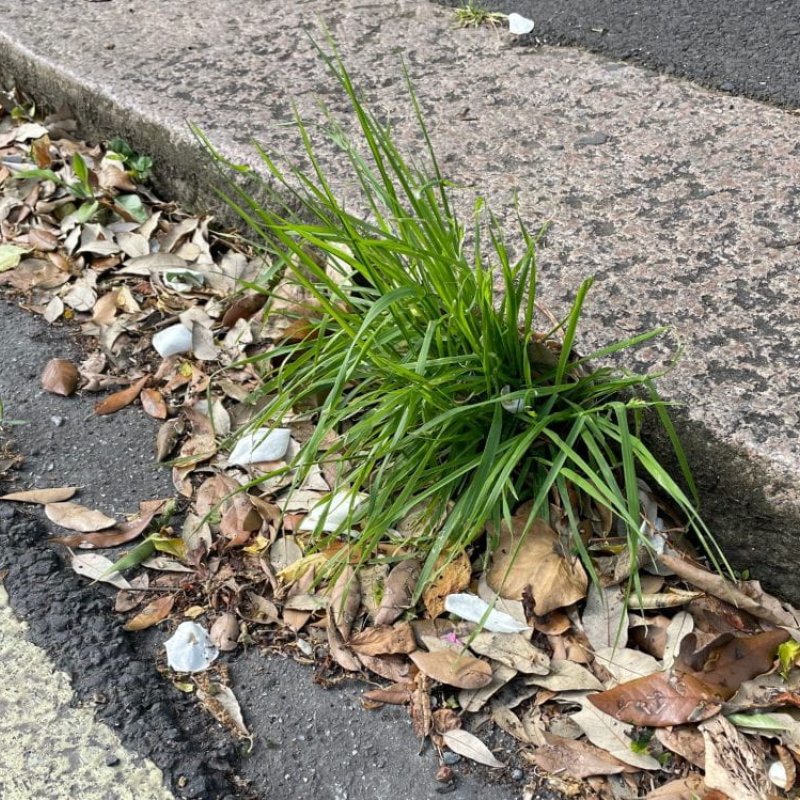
[
  {"x": 681, "y": 201},
  {"x": 745, "y": 47}
]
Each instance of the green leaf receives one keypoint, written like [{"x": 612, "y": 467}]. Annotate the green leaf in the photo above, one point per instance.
[
  {"x": 132, "y": 204},
  {"x": 788, "y": 654},
  {"x": 11, "y": 255},
  {"x": 761, "y": 722}
]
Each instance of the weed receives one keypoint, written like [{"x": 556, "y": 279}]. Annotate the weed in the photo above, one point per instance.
[
  {"x": 473, "y": 15},
  {"x": 430, "y": 388}
]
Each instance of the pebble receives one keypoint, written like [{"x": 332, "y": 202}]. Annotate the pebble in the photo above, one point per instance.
[
  {"x": 57, "y": 421},
  {"x": 112, "y": 760},
  {"x": 592, "y": 139},
  {"x": 450, "y": 758},
  {"x": 517, "y": 774}
]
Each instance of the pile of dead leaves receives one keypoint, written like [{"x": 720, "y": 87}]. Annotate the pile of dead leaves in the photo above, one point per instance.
[{"x": 686, "y": 688}]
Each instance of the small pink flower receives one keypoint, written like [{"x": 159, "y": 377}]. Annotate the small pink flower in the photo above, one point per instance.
[{"x": 451, "y": 638}]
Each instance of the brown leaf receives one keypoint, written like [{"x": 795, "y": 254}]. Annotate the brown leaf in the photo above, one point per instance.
[
  {"x": 731, "y": 660},
  {"x": 118, "y": 400},
  {"x": 454, "y": 577},
  {"x": 42, "y": 240},
  {"x": 578, "y": 759},
  {"x": 513, "y": 650},
  {"x": 153, "y": 404},
  {"x": 224, "y": 632},
  {"x": 535, "y": 562},
  {"x": 385, "y": 640},
  {"x": 197, "y": 449},
  {"x": 761, "y": 605},
  {"x": 393, "y": 668},
  {"x": 345, "y": 601},
  {"x": 128, "y": 599},
  {"x": 339, "y": 650},
  {"x": 243, "y": 308},
  {"x": 154, "y": 612},
  {"x": 76, "y": 517},
  {"x": 658, "y": 700},
  {"x": 167, "y": 437},
  {"x": 681, "y": 789},
  {"x": 733, "y": 765},
  {"x": 445, "y": 719},
  {"x": 40, "y": 150},
  {"x": 398, "y": 694},
  {"x": 470, "y": 746},
  {"x": 239, "y": 520},
  {"x": 397, "y": 591},
  {"x": 60, "y": 377},
  {"x": 453, "y": 668},
  {"x": 42, "y": 496},
  {"x": 124, "y": 532},
  {"x": 686, "y": 741},
  {"x": 421, "y": 719}
]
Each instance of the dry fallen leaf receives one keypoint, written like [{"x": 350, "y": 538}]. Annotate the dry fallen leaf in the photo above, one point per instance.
[
  {"x": 154, "y": 612},
  {"x": 578, "y": 759},
  {"x": 153, "y": 404},
  {"x": 385, "y": 640},
  {"x": 118, "y": 400},
  {"x": 454, "y": 577},
  {"x": 453, "y": 668},
  {"x": 513, "y": 650},
  {"x": 659, "y": 700},
  {"x": 398, "y": 694},
  {"x": 60, "y": 377},
  {"x": 76, "y": 517},
  {"x": 536, "y": 562},
  {"x": 397, "y": 591},
  {"x": 470, "y": 746},
  {"x": 733, "y": 765},
  {"x": 112, "y": 537},
  {"x": 223, "y": 706},
  {"x": 345, "y": 600},
  {"x": 42, "y": 496},
  {"x": 224, "y": 632},
  {"x": 98, "y": 568}
]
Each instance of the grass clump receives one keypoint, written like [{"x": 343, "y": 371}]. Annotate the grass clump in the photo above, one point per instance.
[
  {"x": 473, "y": 15},
  {"x": 422, "y": 361}
]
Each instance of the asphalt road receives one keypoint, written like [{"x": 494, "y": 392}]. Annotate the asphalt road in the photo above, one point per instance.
[{"x": 745, "y": 47}]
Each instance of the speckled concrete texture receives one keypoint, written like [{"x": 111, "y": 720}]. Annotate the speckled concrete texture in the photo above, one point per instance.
[
  {"x": 52, "y": 749},
  {"x": 683, "y": 203}
]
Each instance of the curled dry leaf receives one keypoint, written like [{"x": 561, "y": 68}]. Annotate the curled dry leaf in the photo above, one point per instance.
[
  {"x": 385, "y": 640},
  {"x": 472, "y": 700},
  {"x": 566, "y": 676},
  {"x": 392, "y": 668},
  {"x": 76, "y": 517},
  {"x": 513, "y": 650},
  {"x": 398, "y": 591},
  {"x": 122, "y": 533},
  {"x": 339, "y": 650},
  {"x": 345, "y": 600},
  {"x": 470, "y": 746},
  {"x": 453, "y": 668},
  {"x": 686, "y": 741},
  {"x": 118, "y": 400},
  {"x": 42, "y": 496},
  {"x": 733, "y": 765},
  {"x": 154, "y": 612},
  {"x": 224, "y": 632},
  {"x": 153, "y": 404},
  {"x": 659, "y": 700},
  {"x": 536, "y": 562},
  {"x": 98, "y": 568},
  {"x": 454, "y": 577},
  {"x": 577, "y": 759},
  {"x": 167, "y": 437},
  {"x": 239, "y": 521},
  {"x": 60, "y": 377},
  {"x": 221, "y": 702},
  {"x": 729, "y": 661},
  {"x": 398, "y": 694}
]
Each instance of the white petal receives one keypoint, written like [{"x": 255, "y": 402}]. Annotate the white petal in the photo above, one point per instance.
[
  {"x": 519, "y": 25},
  {"x": 473, "y": 608},
  {"x": 183, "y": 280},
  {"x": 512, "y": 406},
  {"x": 190, "y": 648},
  {"x": 173, "y": 340},
  {"x": 335, "y": 509},
  {"x": 265, "y": 444}
]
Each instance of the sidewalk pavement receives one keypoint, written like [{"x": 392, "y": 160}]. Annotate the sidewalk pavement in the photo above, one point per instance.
[{"x": 682, "y": 202}]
